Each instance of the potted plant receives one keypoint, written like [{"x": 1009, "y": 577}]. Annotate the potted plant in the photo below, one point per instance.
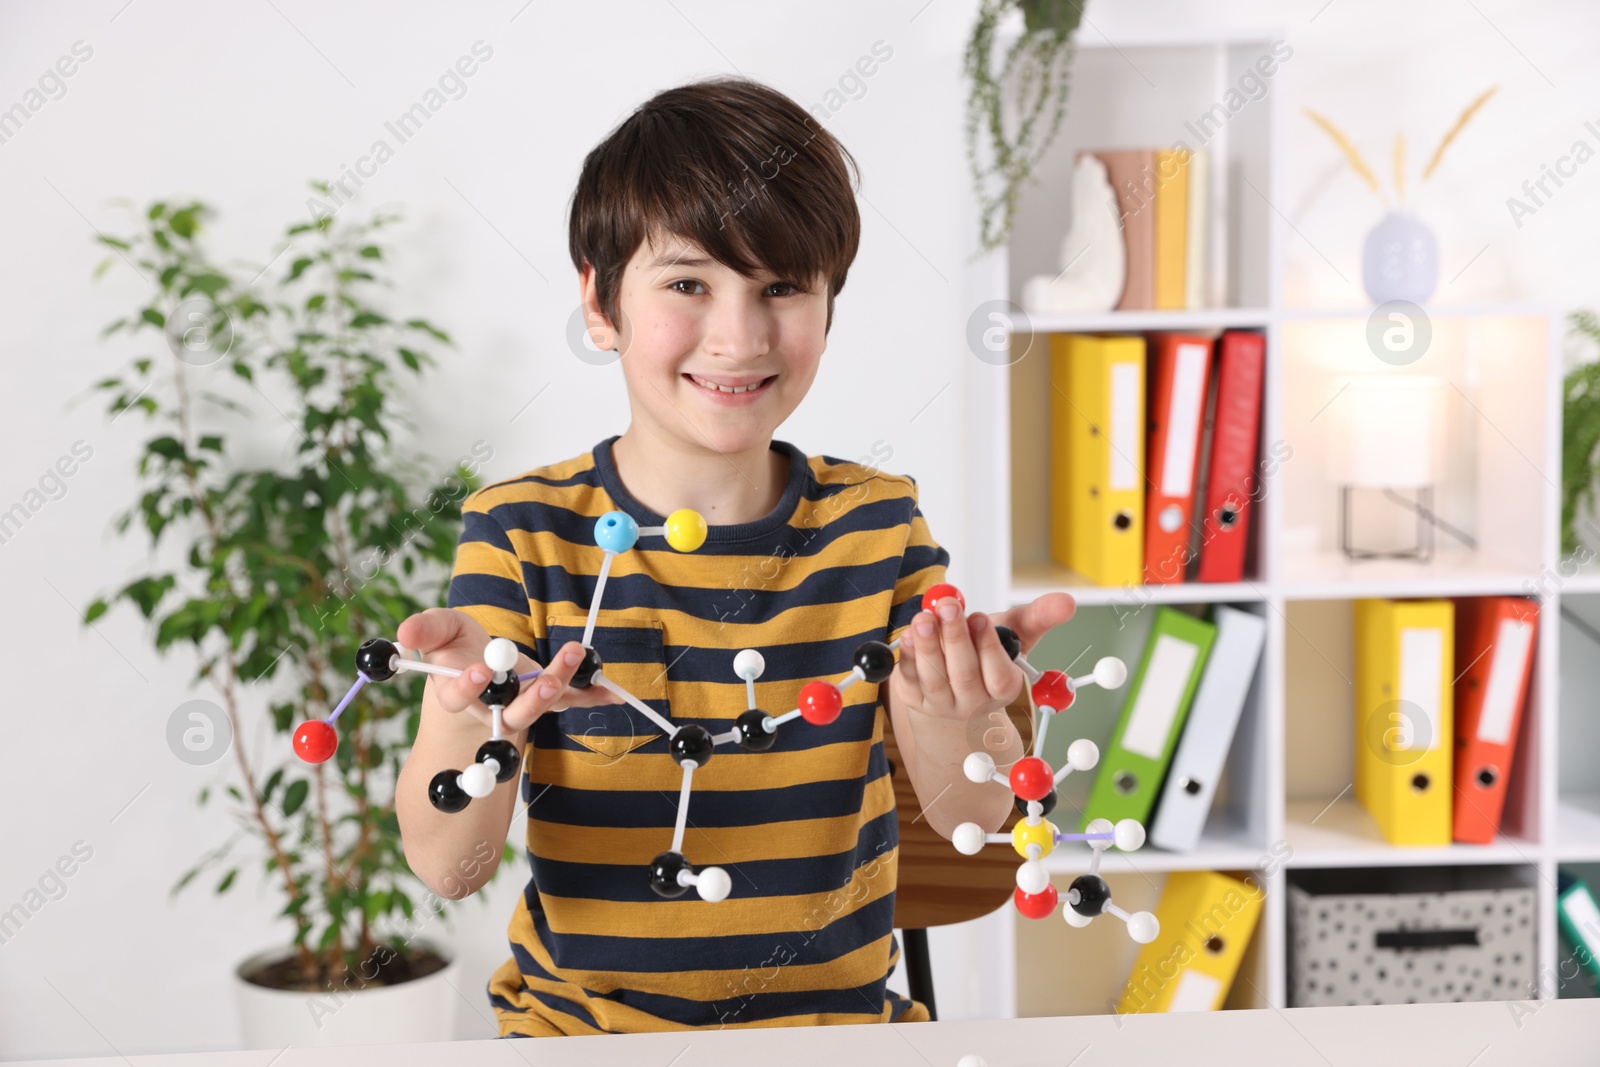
[
  {"x": 1036, "y": 66},
  {"x": 284, "y": 566},
  {"x": 1580, "y": 438}
]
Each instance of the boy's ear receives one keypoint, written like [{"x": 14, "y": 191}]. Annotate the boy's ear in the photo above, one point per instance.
[{"x": 601, "y": 333}]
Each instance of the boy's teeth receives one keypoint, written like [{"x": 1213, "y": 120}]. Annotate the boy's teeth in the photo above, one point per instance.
[{"x": 724, "y": 388}]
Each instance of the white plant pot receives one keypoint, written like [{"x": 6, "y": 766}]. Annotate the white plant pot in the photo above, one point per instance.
[{"x": 420, "y": 1010}]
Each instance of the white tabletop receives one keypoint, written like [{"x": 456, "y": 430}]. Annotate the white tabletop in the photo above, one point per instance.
[{"x": 1421, "y": 1035}]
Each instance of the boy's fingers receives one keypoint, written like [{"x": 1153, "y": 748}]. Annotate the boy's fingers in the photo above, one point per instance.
[
  {"x": 543, "y": 693},
  {"x": 1001, "y": 677},
  {"x": 908, "y": 662},
  {"x": 960, "y": 658},
  {"x": 430, "y": 629},
  {"x": 460, "y": 692},
  {"x": 930, "y": 660}
]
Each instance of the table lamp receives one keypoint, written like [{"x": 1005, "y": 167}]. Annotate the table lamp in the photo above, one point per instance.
[{"x": 1385, "y": 437}]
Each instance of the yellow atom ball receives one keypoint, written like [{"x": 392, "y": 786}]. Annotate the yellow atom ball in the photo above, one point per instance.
[
  {"x": 686, "y": 530},
  {"x": 1043, "y": 835}
]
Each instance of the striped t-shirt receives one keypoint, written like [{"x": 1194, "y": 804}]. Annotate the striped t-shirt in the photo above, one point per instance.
[{"x": 806, "y": 830}]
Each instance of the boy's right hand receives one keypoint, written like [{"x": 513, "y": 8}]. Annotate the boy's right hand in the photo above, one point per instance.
[{"x": 453, "y": 638}]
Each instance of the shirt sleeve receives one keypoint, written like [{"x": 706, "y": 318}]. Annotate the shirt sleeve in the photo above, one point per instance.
[
  {"x": 486, "y": 582},
  {"x": 921, "y": 568}
]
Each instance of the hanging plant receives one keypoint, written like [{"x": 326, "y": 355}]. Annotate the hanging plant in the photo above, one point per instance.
[{"x": 1036, "y": 65}]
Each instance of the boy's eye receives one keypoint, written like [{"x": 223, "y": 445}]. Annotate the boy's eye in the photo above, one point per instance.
[{"x": 786, "y": 288}]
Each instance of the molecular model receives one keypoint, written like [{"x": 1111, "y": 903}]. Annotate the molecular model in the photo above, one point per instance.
[
  {"x": 754, "y": 730},
  {"x": 1033, "y": 783},
  {"x": 691, "y": 745}
]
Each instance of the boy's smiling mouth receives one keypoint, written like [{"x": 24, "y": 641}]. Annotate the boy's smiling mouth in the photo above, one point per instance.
[{"x": 728, "y": 389}]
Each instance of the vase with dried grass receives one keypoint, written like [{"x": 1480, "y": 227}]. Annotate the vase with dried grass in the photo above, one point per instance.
[{"x": 1400, "y": 258}]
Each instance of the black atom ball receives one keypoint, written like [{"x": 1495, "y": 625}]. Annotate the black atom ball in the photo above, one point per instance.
[
  {"x": 752, "y": 735},
  {"x": 1092, "y": 895},
  {"x": 664, "y": 874},
  {"x": 876, "y": 661},
  {"x": 1049, "y": 803},
  {"x": 501, "y": 693},
  {"x": 375, "y": 659},
  {"x": 446, "y": 793},
  {"x": 692, "y": 742},
  {"x": 1009, "y": 640},
  {"x": 504, "y": 753},
  {"x": 583, "y": 677}
]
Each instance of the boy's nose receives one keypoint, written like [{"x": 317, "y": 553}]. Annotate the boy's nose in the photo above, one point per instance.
[{"x": 737, "y": 332}]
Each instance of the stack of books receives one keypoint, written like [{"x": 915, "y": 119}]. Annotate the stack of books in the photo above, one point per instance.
[{"x": 1163, "y": 203}]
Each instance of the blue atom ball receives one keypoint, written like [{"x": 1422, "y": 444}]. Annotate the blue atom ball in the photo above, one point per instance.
[{"x": 615, "y": 531}]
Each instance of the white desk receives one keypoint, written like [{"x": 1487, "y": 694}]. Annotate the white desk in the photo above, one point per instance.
[{"x": 1522, "y": 1033}]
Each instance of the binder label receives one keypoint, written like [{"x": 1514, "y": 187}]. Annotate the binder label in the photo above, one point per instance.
[
  {"x": 1584, "y": 917},
  {"x": 1195, "y": 991},
  {"x": 1511, "y": 646},
  {"x": 1160, "y": 692},
  {"x": 1183, "y": 429},
  {"x": 1127, "y": 423},
  {"x": 1421, "y": 663}
]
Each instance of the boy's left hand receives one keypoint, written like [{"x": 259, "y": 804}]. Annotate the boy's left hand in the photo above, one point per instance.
[{"x": 959, "y": 670}]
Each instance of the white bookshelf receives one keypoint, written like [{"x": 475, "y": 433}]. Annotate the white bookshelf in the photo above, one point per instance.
[{"x": 1286, "y": 783}]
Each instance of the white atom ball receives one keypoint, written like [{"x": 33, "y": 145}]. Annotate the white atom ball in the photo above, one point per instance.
[
  {"x": 972, "y": 1060},
  {"x": 714, "y": 884},
  {"x": 1074, "y": 919},
  {"x": 1098, "y": 826},
  {"x": 1083, "y": 754},
  {"x": 749, "y": 664},
  {"x": 500, "y": 655},
  {"x": 968, "y": 838},
  {"x": 978, "y": 767},
  {"x": 1032, "y": 877},
  {"x": 1110, "y": 673},
  {"x": 1129, "y": 835},
  {"x": 1143, "y": 927},
  {"x": 478, "y": 780}
]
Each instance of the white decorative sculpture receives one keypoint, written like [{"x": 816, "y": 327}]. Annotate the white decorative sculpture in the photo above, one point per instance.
[{"x": 1093, "y": 261}]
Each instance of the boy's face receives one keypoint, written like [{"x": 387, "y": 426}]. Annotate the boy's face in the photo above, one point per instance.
[{"x": 688, "y": 320}]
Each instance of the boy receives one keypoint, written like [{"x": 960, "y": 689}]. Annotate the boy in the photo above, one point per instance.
[{"x": 711, "y": 232}]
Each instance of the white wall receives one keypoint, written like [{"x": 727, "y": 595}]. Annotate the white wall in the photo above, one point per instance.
[{"x": 236, "y": 105}]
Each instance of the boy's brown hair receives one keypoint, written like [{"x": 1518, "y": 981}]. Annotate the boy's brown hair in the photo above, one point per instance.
[{"x": 736, "y": 167}]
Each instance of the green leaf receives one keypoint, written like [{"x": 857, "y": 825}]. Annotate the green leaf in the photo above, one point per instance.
[
  {"x": 114, "y": 243},
  {"x": 97, "y": 608},
  {"x": 211, "y": 442},
  {"x": 315, "y": 301},
  {"x": 156, "y": 209},
  {"x": 227, "y": 880},
  {"x": 185, "y": 223},
  {"x": 367, "y": 318},
  {"x": 243, "y": 370},
  {"x": 295, "y": 796},
  {"x": 411, "y": 359},
  {"x": 299, "y": 267},
  {"x": 423, "y": 324},
  {"x": 154, "y": 317},
  {"x": 272, "y": 783},
  {"x": 372, "y": 252}
]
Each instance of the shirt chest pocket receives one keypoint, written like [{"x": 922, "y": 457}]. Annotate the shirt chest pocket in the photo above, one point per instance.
[{"x": 633, "y": 654}]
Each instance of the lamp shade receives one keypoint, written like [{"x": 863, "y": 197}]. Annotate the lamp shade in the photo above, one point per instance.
[{"x": 1386, "y": 431}]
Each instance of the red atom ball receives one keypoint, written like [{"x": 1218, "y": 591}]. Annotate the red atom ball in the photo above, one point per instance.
[
  {"x": 315, "y": 740},
  {"x": 1031, "y": 778},
  {"x": 939, "y": 592},
  {"x": 1054, "y": 690},
  {"x": 820, "y": 703},
  {"x": 1036, "y": 905}
]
